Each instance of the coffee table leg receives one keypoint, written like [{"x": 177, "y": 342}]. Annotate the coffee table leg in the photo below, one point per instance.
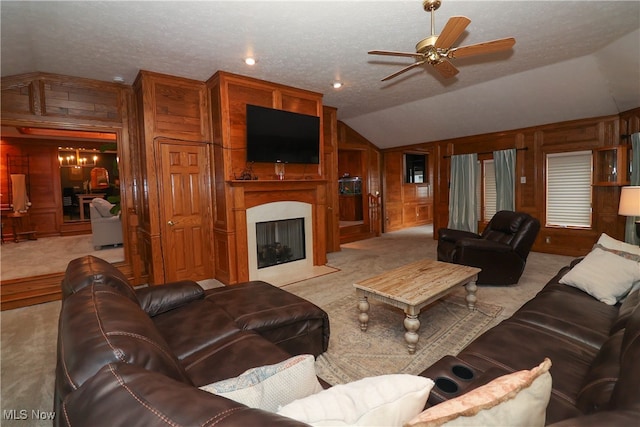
[
  {"x": 363, "y": 306},
  {"x": 411, "y": 324},
  {"x": 471, "y": 295}
]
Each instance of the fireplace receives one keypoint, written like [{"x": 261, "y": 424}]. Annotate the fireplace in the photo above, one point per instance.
[{"x": 279, "y": 240}]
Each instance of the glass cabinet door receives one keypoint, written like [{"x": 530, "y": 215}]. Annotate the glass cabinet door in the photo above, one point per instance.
[{"x": 610, "y": 166}]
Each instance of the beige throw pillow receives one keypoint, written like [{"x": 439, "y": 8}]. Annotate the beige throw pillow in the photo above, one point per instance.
[
  {"x": 269, "y": 387},
  {"x": 604, "y": 275},
  {"x": 517, "y": 399},
  {"x": 614, "y": 244},
  {"x": 385, "y": 400}
]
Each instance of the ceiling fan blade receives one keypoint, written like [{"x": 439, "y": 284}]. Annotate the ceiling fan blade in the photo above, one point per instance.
[
  {"x": 393, "y": 53},
  {"x": 482, "y": 48},
  {"x": 404, "y": 70},
  {"x": 452, "y": 31},
  {"x": 446, "y": 68}
]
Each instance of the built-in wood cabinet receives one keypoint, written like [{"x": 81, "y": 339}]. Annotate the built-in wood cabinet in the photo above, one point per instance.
[{"x": 610, "y": 166}]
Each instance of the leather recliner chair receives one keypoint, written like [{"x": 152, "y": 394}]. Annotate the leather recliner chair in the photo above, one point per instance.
[{"x": 500, "y": 251}]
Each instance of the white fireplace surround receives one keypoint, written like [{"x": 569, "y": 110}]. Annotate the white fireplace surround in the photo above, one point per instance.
[{"x": 276, "y": 211}]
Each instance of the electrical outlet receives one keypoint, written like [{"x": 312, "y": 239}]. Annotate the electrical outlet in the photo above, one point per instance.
[
  {"x": 523, "y": 180},
  {"x": 547, "y": 239}
]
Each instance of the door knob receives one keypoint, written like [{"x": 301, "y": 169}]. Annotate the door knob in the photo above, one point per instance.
[{"x": 171, "y": 223}]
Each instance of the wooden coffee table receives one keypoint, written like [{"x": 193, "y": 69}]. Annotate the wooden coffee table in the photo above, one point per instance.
[{"x": 412, "y": 287}]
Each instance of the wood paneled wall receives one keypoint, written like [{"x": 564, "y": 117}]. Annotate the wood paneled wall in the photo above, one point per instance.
[
  {"x": 533, "y": 145},
  {"x": 44, "y": 182},
  {"x": 407, "y": 205}
]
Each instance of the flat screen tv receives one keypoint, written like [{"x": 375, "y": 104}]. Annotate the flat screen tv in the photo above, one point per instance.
[{"x": 276, "y": 135}]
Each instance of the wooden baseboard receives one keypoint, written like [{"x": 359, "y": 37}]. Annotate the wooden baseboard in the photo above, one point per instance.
[{"x": 27, "y": 291}]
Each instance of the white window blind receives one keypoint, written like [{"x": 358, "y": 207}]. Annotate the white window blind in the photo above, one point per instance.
[
  {"x": 489, "y": 183},
  {"x": 569, "y": 189}
]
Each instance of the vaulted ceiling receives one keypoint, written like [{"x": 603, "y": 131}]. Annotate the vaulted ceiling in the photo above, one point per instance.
[{"x": 571, "y": 60}]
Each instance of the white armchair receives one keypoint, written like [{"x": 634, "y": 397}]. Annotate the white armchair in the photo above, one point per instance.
[{"x": 106, "y": 227}]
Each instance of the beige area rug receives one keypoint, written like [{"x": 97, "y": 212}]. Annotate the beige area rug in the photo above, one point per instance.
[
  {"x": 50, "y": 255},
  {"x": 446, "y": 327}
]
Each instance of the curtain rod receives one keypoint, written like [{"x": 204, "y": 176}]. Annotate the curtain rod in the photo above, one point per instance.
[{"x": 489, "y": 152}]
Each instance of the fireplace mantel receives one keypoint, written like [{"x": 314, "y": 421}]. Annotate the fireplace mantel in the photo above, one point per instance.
[{"x": 246, "y": 194}]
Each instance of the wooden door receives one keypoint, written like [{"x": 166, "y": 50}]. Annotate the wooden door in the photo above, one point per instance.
[{"x": 185, "y": 212}]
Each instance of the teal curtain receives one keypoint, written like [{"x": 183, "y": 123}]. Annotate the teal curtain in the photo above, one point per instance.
[
  {"x": 462, "y": 193},
  {"x": 505, "y": 165},
  {"x": 630, "y": 229}
]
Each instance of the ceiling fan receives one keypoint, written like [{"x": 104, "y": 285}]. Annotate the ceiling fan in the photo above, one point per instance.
[{"x": 436, "y": 49}]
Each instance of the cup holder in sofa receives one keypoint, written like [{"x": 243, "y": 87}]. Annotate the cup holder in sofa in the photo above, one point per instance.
[
  {"x": 462, "y": 372},
  {"x": 446, "y": 385}
]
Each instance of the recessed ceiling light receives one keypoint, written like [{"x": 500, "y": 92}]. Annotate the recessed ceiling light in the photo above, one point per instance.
[
  {"x": 250, "y": 61},
  {"x": 118, "y": 79},
  {"x": 337, "y": 85}
]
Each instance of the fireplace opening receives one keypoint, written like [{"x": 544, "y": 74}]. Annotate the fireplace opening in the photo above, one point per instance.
[{"x": 280, "y": 241}]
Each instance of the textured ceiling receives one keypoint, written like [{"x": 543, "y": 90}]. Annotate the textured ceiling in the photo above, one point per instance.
[{"x": 571, "y": 59}]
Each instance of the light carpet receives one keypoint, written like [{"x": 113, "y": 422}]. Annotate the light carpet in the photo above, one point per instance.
[
  {"x": 446, "y": 327},
  {"x": 28, "y": 344},
  {"x": 50, "y": 255}
]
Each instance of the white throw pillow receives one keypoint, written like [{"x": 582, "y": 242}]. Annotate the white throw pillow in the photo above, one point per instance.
[
  {"x": 269, "y": 387},
  {"x": 517, "y": 399},
  {"x": 385, "y": 400},
  {"x": 102, "y": 206},
  {"x": 604, "y": 275},
  {"x": 611, "y": 243}
]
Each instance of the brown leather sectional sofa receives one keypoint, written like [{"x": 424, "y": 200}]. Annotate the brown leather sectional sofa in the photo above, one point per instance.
[
  {"x": 594, "y": 348},
  {"x": 136, "y": 357}
]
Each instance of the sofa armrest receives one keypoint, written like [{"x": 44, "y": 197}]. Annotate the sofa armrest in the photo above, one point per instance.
[
  {"x": 452, "y": 235},
  {"x": 128, "y": 395},
  {"x": 160, "y": 299}
]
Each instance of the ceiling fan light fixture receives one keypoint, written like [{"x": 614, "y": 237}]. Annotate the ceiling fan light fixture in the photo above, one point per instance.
[
  {"x": 423, "y": 45},
  {"x": 437, "y": 50}
]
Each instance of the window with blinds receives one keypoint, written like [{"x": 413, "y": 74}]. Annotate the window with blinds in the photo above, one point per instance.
[
  {"x": 489, "y": 188},
  {"x": 569, "y": 189},
  {"x": 486, "y": 190}
]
